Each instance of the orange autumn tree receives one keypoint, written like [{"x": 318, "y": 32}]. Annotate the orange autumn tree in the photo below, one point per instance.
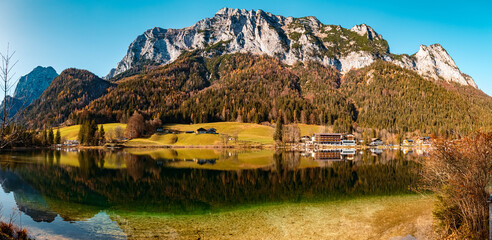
[
  {"x": 458, "y": 172},
  {"x": 135, "y": 126}
]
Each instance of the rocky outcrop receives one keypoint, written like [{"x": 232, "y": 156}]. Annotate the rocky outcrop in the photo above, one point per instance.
[
  {"x": 434, "y": 62},
  {"x": 32, "y": 85},
  {"x": 28, "y": 89},
  {"x": 287, "y": 38},
  {"x": 363, "y": 29}
]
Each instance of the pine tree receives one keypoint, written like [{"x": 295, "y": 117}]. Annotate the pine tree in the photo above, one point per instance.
[
  {"x": 44, "y": 140},
  {"x": 34, "y": 139},
  {"x": 58, "y": 137},
  {"x": 88, "y": 133},
  {"x": 95, "y": 139},
  {"x": 82, "y": 133},
  {"x": 51, "y": 137},
  {"x": 92, "y": 134},
  {"x": 277, "y": 136},
  {"x": 102, "y": 135}
]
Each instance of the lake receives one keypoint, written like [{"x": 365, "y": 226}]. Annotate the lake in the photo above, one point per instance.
[{"x": 213, "y": 194}]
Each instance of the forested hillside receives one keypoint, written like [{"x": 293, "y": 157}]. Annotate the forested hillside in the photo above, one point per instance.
[
  {"x": 157, "y": 92},
  {"x": 393, "y": 98},
  {"x": 72, "y": 89},
  {"x": 252, "y": 88}
]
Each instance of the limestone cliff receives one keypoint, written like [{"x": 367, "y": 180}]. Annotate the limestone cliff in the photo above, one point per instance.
[{"x": 289, "y": 39}]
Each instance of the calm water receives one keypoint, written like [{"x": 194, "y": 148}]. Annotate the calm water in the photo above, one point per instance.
[{"x": 90, "y": 194}]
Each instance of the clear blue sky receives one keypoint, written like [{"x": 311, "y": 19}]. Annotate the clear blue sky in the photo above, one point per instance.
[{"x": 95, "y": 34}]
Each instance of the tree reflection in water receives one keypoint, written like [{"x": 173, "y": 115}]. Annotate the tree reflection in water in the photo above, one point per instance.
[{"x": 152, "y": 184}]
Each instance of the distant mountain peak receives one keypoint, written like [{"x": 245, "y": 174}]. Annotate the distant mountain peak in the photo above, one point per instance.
[
  {"x": 32, "y": 85},
  {"x": 289, "y": 39},
  {"x": 71, "y": 90},
  {"x": 29, "y": 88}
]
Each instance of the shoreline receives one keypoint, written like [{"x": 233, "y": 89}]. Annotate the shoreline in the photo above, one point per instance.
[{"x": 267, "y": 147}]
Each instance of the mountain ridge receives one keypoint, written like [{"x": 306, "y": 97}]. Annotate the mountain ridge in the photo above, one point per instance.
[
  {"x": 289, "y": 39},
  {"x": 32, "y": 85},
  {"x": 72, "y": 89},
  {"x": 28, "y": 89}
]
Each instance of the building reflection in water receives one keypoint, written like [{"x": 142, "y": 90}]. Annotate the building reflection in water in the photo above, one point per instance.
[{"x": 78, "y": 185}]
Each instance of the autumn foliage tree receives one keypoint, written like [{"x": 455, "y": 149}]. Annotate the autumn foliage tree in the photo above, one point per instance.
[
  {"x": 152, "y": 125},
  {"x": 135, "y": 126},
  {"x": 291, "y": 134},
  {"x": 458, "y": 172},
  {"x": 115, "y": 135}
]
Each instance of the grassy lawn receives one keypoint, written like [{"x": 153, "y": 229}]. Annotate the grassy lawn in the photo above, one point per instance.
[
  {"x": 183, "y": 139},
  {"x": 308, "y": 130},
  {"x": 72, "y": 132},
  {"x": 248, "y": 133}
]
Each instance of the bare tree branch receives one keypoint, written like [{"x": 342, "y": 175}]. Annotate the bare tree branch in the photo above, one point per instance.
[{"x": 9, "y": 130}]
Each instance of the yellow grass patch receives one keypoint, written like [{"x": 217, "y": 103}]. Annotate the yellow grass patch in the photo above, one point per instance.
[
  {"x": 182, "y": 140},
  {"x": 72, "y": 132},
  {"x": 250, "y": 132}
]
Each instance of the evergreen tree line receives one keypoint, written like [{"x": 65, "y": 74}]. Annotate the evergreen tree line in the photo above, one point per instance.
[
  {"x": 48, "y": 137},
  {"x": 90, "y": 135},
  {"x": 43, "y": 138}
]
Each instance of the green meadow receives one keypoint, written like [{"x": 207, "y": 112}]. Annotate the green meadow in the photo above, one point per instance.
[{"x": 245, "y": 134}]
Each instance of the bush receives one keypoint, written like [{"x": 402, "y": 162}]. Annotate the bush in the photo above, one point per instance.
[
  {"x": 174, "y": 139},
  {"x": 10, "y": 231},
  {"x": 458, "y": 172}
]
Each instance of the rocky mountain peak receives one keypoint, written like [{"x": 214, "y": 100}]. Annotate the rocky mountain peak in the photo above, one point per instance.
[
  {"x": 435, "y": 52},
  {"x": 29, "y": 88},
  {"x": 363, "y": 29},
  {"x": 234, "y": 11},
  {"x": 289, "y": 39},
  {"x": 433, "y": 61},
  {"x": 32, "y": 85}
]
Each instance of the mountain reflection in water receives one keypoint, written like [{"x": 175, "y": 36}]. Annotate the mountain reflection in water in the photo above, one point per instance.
[{"x": 76, "y": 186}]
